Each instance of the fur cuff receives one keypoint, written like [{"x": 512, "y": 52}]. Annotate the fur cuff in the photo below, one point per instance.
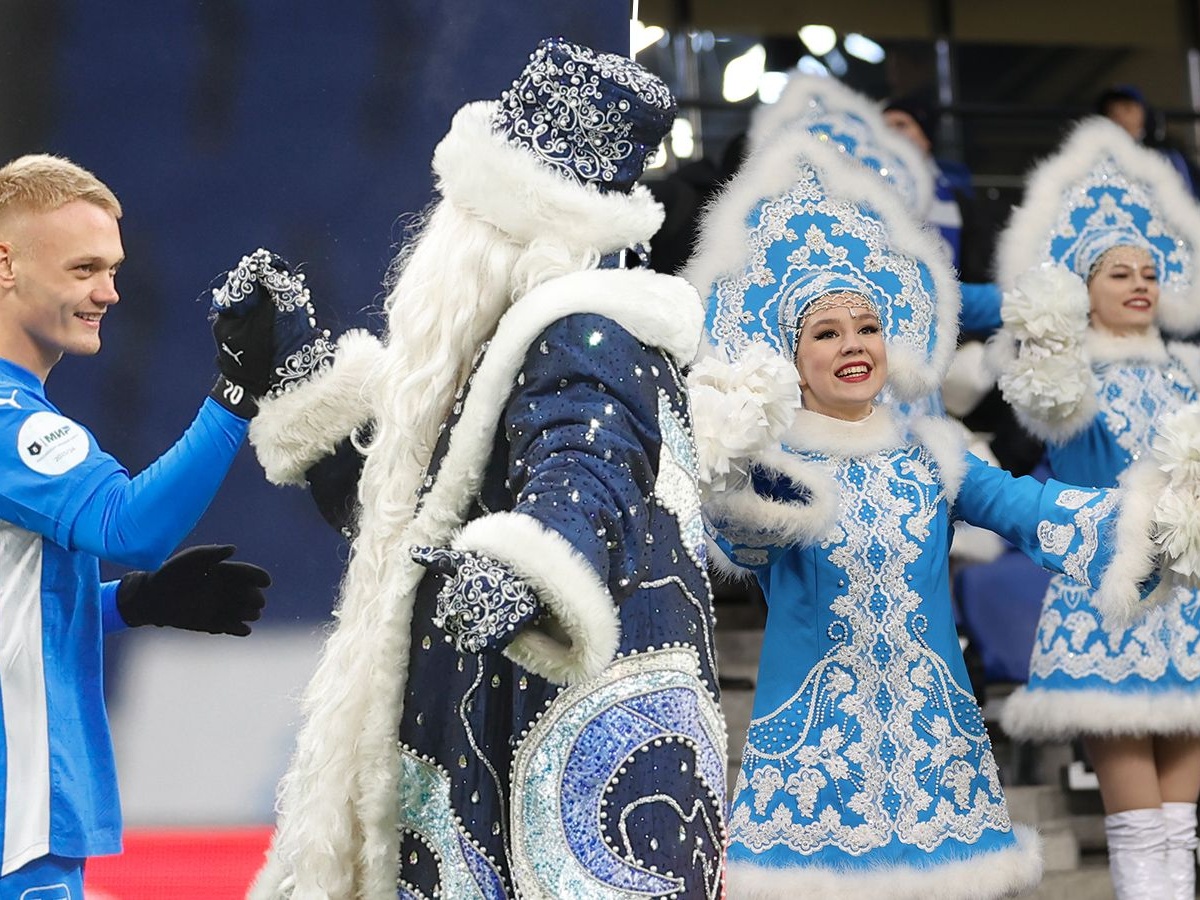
[
  {"x": 746, "y": 518},
  {"x": 999, "y": 873},
  {"x": 479, "y": 171},
  {"x": 294, "y": 430},
  {"x": 584, "y": 632},
  {"x": 1135, "y": 556}
]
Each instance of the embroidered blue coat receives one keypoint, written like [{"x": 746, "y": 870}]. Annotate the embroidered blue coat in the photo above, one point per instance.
[
  {"x": 1088, "y": 675},
  {"x": 867, "y": 769},
  {"x": 513, "y": 783}
]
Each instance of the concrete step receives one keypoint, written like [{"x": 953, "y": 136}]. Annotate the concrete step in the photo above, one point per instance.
[{"x": 1088, "y": 882}]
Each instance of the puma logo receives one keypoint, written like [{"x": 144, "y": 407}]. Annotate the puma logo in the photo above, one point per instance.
[
  {"x": 10, "y": 400},
  {"x": 236, "y": 354}
]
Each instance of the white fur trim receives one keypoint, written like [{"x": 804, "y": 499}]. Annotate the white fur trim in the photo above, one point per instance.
[
  {"x": 1025, "y": 241},
  {"x": 768, "y": 121},
  {"x": 782, "y": 523},
  {"x": 1188, "y": 357},
  {"x": 294, "y": 430},
  {"x": 1055, "y": 715},
  {"x": 1105, "y": 347},
  {"x": 1135, "y": 555},
  {"x": 968, "y": 379},
  {"x": 973, "y": 544},
  {"x": 565, "y": 584},
  {"x": 721, "y": 248},
  {"x": 983, "y": 875},
  {"x": 946, "y": 440},
  {"x": 337, "y": 832},
  {"x": 477, "y": 170},
  {"x": 815, "y": 433}
]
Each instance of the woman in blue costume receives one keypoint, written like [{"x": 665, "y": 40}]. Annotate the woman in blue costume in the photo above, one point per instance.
[
  {"x": 867, "y": 770},
  {"x": 1108, "y": 229}
]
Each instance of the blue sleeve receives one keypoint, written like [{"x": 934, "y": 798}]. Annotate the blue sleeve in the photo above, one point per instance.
[
  {"x": 111, "y": 617},
  {"x": 139, "y": 521},
  {"x": 1060, "y": 527},
  {"x": 980, "y": 313},
  {"x": 583, "y": 435}
]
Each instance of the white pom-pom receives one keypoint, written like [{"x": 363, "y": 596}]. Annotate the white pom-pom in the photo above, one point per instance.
[
  {"x": 1047, "y": 383},
  {"x": 1176, "y": 447},
  {"x": 1177, "y": 532},
  {"x": 1048, "y": 303},
  {"x": 740, "y": 408}
]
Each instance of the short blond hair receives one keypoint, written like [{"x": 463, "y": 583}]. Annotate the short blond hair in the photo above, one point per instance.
[{"x": 40, "y": 182}]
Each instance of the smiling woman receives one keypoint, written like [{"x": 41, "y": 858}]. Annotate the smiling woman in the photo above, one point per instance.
[
  {"x": 1098, "y": 258},
  {"x": 840, "y": 356},
  {"x": 867, "y": 768}
]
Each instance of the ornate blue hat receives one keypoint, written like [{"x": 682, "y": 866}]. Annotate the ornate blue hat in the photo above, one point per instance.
[
  {"x": 1102, "y": 190},
  {"x": 800, "y": 222},
  {"x": 594, "y": 117},
  {"x": 854, "y": 125}
]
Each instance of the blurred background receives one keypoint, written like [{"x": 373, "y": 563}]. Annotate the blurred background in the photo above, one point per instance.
[{"x": 225, "y": 125}]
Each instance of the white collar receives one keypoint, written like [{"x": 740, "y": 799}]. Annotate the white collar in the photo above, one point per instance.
[
  {"x": 815, "y": 433},
  {"x": 1104, "y": 346}
]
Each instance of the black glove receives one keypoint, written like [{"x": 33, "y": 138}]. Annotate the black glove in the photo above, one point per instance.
[
  {"x": 268, "y": 340},
  {"x": 243, "y": 325},
  {"x": 196, "y": 589}
]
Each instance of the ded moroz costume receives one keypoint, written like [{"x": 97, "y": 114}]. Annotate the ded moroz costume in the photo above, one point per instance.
[
  {"x": 520, "y": 697},
  {"x": 867, "y": 769}
]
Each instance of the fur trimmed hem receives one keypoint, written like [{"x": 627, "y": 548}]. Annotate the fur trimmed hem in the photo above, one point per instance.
[
  {"x": 999, "y": 873},
  {"x": 478, "y": 171},
  {"x": 1135, "y": 555},
  {"x": 1059, "y": 715},
  {"x": 295, "y": 430},
  {"x": 565, "y": 584}
]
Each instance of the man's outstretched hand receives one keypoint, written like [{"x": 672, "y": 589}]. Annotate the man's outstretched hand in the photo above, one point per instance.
[{"x": 197, "y": 589}]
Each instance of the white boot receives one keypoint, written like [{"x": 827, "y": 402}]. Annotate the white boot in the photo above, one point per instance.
[
  {"x": 1180, "y": 822},
  {"x": 1137, "y": 854}
]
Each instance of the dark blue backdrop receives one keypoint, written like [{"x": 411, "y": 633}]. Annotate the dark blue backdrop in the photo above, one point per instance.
[{"x": 223, "y": 126}]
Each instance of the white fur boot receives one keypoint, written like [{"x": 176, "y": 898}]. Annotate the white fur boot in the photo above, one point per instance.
[
  {"x": 1137, "y": 854},
  {"x": 1180, "y": 823}
]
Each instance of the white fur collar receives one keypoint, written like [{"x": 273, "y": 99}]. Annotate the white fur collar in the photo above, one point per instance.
[
  {"x": 814, "y": 433},
  {"x": 478, "y": 171},
  {"x": 1104, "y": 346}
]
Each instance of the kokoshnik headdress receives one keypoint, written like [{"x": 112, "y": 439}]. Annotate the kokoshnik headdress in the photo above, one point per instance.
[
  {"x": 1102, "y": 190},
  {"x": 854, "y": 125},
  {"x": 799, "y": 223}
]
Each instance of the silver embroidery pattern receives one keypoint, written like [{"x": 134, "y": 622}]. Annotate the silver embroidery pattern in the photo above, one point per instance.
[
  {"x": 424, "y": 810},
  {"x": 676, "y": 489},
  {"x": 567, "y": 109},
  {"x": 1105, "y": 202},
  {"x": 802, "y": 234},
  {"x": 814, "y": 773},
  {"x": 566, "y": 768},
  {"x": 1074, "y": 648}
]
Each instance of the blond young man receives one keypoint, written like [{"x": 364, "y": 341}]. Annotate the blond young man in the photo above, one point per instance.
[{"x": 65, "y": 504}]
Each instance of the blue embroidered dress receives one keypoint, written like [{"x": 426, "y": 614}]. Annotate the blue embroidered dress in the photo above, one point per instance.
[
  {"x": 1087, "y": 676},
  {"x": 867, "y": 769}
]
